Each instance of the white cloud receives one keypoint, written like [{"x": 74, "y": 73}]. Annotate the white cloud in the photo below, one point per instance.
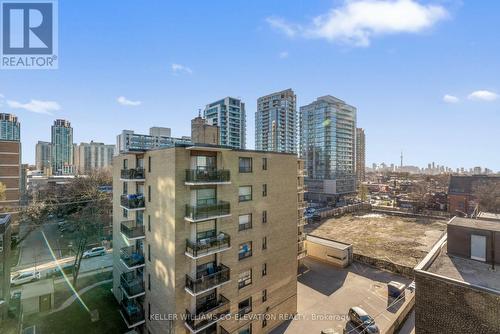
[
  {"x": 126, "y": 102},
  {"x": 483, "y": 95},
  {"x": 283, "y": 54},
  {"x": 178, "y": 68},
  {"x": 450, "y": 99},
  {"x": 36, "y": 106},
  {"x": 356, "y": 22}
]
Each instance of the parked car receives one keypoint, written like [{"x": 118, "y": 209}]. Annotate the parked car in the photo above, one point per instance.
[
  {"x": 363, "y": 320},
  {"x": 26, "y": 277},
  {"x": 96, "y": 251}
]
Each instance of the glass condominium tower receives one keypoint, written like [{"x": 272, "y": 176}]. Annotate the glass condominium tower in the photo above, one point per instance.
[
  {"x": 229, "y": 115},
  {"x": 10, "y": 128},
  {"x": 328, "y": 146},
  {"x": 276, "y": 122},
  {"x": 62, "y": 147}
]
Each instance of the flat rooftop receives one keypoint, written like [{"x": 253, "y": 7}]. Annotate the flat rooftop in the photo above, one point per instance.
[
  {"x": 475, "y": 223},
  {"x": 465, "y": 270},
  {"x": 489, "y": 215}
]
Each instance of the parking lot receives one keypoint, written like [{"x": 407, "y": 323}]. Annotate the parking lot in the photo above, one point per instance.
[{"x": 325, "y": 295}]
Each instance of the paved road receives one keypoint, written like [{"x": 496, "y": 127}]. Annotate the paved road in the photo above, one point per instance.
[{"x": 34, "y": 249}]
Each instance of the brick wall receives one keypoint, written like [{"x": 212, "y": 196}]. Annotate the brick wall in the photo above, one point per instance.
[{"x": 447, "y": 307}]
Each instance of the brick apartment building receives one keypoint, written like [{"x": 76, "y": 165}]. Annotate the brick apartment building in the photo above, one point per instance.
[{"x": 458, "y": 283}]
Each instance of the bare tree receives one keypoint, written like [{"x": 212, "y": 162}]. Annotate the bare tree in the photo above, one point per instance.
[
  {"x": 3, "y": 189},
  {"x": 487, "y": 194}
]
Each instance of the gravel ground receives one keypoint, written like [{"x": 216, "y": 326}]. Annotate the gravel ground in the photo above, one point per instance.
[{"x": 401, "y": 240}]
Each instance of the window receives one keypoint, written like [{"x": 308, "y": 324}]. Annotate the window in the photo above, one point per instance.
[
  {"x": 264, "y": 216},
  {"x": 149, "y": 252},
  {"x": 125, "y": 188},
  {"x": 245, "y": 306},
  {"x": 245, "y": 278},
  {"x": 264, "y": 163},
  {"x": 245, "y": 250},
  {"x": 149, "y": 282},
  {"x": 125, "y": 163},
  {"x": 149, "y": 193},
  {"x": 264, "y": 269},
  {"x": 206, "y": 196},
  {"x": 149, "y": 164},
  {"x": 264, "y": 295},
  {"x": 149, "y": 310},
  {"x": 245, "y": 165},
  {"x": 245, "y": 193},
  {"x": 264, "y": 243},
  {"x": 264, "y": 322},
  {"x": 149, "y": 223},
  {"x": 264, "y": 190},
  {"x": 244, "y": 222},
  {"x": 247, "y": 330},
  {"x": 125, "y": 213}
]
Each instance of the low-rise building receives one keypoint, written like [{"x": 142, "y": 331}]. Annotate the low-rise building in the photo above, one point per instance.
[{"x": 458, "y": 283}]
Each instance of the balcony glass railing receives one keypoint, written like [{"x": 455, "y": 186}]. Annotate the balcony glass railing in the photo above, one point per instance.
[
  {"x": 132, "y": 201},
  {"x": 132, "y": 283},
  {"x": 132, "y": 256},
  {"x": 133, "y": 174},
  {"x": 208, "y": 313},
  {"x": 209, "y": 245},
  {"x": 132, "y": 312},
  {"x": 219, "y": 276},
  {"x": 132, "y": 229},
  {"x": 204, "y": 176},
  {"x": 207, "y": 211}
]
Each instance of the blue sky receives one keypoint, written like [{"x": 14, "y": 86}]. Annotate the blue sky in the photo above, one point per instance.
[{"x": 394, "y": 60}]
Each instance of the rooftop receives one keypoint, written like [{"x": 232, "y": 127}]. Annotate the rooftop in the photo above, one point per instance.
[
  {"x": 479, "y": 224},
  {"x": 489, "y": 216}
]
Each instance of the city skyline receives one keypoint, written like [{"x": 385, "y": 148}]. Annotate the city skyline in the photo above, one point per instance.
[{"x": 426, "y": 116}]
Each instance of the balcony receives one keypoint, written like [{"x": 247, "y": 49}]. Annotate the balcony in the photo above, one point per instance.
[
  {"x": 133, "y": 174},
  {"x": 218, "y": 277},
  {"x": 207, "y": 314},
  {"x": 132, "y": 202},
  {"x": 132, "y": 284},
  {"x": 208, "y": 246},
  {"x": 205, "y": 177},
  {"x": 195, "y": 213},
  {"x": 132, "y": 257},
  {"x": 132, "y": 230},
  {"x": 132, "y": 313}
]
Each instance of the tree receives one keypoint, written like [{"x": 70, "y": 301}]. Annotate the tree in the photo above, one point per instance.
[
  {"x": 487, "y": 195},
  {"x": 363, "y": 192}
]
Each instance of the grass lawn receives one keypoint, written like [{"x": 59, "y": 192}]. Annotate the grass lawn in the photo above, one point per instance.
[
  {"x": 75, "y": 319},
  {"x": 63, "y": 291}
]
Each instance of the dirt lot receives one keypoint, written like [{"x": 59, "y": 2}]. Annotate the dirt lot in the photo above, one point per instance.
[{"x": 400, "y": 240}]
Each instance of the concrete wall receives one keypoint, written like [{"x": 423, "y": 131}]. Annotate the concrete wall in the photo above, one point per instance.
[
  {"x": 445, "y": 307},
  {"x": 334, "y": 256},
  {"x": 459, "y": 242}
]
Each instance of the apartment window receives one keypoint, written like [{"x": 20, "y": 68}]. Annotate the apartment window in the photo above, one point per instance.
[
  {"x": 245, "y": 250},
  {"x": 245, "y": 278},
  {"x": 264, "y": 190},
  {"x": 149, "y": 164},
  {"x": 264, "y": 269},
  {"x": 149, "y": 193},
  {"x": 245, "y": 306},
  {"x": 247, "y": 330},
  {"x": 264, "y": 243},
  {"x": 264, "y": 216},
  {"x": 125, "y": 188},
  {"x": 245, "y": 193},
  {"x": 149, "y": 223},
  {"x": 245, "y": 165},
  {"x": 149, "y": 310},
  {"x": 264, "y": 322},
  {"x": 149, "y": 252},
  {"x": 244, "y": 222},
  {"x": 264, "y": 163},
  {"x": 125, "y": 213},
  {"x": 149, "y": 282},
  {"x": 264, "y": 295},
  {"x": 125, "y": 163}
]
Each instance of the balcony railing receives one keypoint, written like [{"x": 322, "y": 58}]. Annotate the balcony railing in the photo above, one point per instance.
[
  {"x": 133, "y": 174},
  {"x": 132, "y": 312},
  {"x": 209, "y": 281},
  {"x": 132, "y": 229},
  {"x": 132, "y": 284},
  {"x": 132, "y": 201},
  {"x": 208, "y": 246},
  {"x": 207, "y": 211},
  {"x": 207, "y": 314},
  {"x": 207, "y": 176},
  {"x": 132, "y": 257}
]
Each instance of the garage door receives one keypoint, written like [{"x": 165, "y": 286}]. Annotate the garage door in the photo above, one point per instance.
[{"x": 478, "y": 247}]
